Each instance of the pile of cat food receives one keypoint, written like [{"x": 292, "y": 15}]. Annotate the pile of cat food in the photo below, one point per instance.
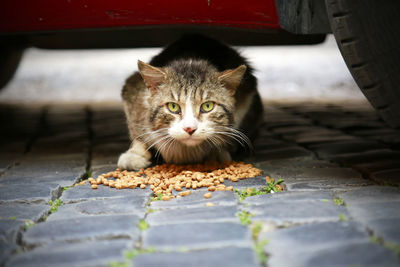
[{"x": 163, "y": 179}]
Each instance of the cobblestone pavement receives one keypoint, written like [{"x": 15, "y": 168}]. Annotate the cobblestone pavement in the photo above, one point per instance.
[{"x": 340, "y": 164}]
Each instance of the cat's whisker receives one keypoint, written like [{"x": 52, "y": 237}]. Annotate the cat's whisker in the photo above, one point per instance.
[
  {"x": 214, "y": 142},
  {"x": 233, "y": 136},
  {"x": 169, "y": 145},
  {"x": 209, "y": 143},
  {"x": 150, "y": 137},
  {"x": 158, "y": 154},
  {"x": 238, "y": 139},
  {"x": 231, "y": 129},
  {"x": 151, "y": 132},
  {"x": 218, "y": 140},
  {"x": 163, "y": 145},
  {"x": 153, "y": 138},
  {"x": 158, "y": 141},
  {"x": 238, "y": 134}
]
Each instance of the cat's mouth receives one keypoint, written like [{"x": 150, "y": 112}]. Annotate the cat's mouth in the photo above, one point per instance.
[{"x": 191, "y": 141}]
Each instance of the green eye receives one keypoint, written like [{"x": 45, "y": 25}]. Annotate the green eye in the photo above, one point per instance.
[
  {"x": 207, "y": 106},
  {"x": 173, "y": 107}
]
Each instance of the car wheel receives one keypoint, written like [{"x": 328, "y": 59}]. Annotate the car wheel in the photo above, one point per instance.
[
  {"x": 368, "y": 35},
  {"x": 9, "y": 61}
]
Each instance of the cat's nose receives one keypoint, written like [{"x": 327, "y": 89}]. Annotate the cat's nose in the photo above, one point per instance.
[{"x": 190, "y": 130}]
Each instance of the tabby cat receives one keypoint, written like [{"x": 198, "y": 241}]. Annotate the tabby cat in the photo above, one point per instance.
[{"x": 196, "y": 101}]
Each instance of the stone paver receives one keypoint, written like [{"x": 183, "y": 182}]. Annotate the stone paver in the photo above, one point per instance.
[
  {"x": 235, "y": 256},
  {"x": 111, "y": 206},
  {"x": 197, "y": 235},
  {"x": 380, "y": 165},
  {"x": 81, "y": 193},
  {"x": 37, "y": 193},
  {"x": 196, "y": 199},
  {"x": 22, "y": 211},
  {"x": 273, "y": 208},
  {"x": 282, "y": 153},
  {"x": 340, "y": 166},
  {"x": 9, "y": 231},
  {"x": 367, "y": 157},
  {"x": 332, "y": 149},
  {"x": 326, "y": 244},
  {"x": 377, "y": 207},
  {"x": 99, "y": 253},
  {"x": 391, "y": 177},
  {"x": 82, "y": 228},
  {"x": 191, "y": 215}
]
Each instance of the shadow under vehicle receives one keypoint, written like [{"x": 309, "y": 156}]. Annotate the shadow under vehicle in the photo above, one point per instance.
[{"x": 367, "y": 31}]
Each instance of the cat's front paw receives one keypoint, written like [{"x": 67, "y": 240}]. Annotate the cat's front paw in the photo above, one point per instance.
[{"x": 133, "y": 161}]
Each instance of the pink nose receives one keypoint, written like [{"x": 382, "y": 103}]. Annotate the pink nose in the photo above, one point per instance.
[{"x": 190, "y": 130}]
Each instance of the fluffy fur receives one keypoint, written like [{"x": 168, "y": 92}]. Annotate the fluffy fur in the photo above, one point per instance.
[{"x": 190, "y": 73}]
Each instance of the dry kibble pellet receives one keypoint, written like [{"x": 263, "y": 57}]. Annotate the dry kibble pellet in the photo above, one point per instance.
[
  {"x": 208, "y": 195},
  {"x": 211, "y": 188},
  {"x": 220, "y": 188},
  {"x": 165, "y": 198},
  {"x": 94, "y": 186},
  {"x": 185, "y": 193}
]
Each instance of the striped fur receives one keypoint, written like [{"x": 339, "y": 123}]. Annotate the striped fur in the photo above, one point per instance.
[{"x": 188, "y": 74}]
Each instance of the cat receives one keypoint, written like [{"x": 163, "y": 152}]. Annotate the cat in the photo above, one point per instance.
[{"x": 196, "y": 101}]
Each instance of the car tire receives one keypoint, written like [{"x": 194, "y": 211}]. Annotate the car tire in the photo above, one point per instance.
[
  {"x": 367, "y": 33},
  {"x": 9, "y": 61}
]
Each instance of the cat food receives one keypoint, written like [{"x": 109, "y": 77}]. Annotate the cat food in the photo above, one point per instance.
[
  {"x": 208, "y": 195},
  {"x": 184, "y": 193},
  {"x": 163, "y": 179}
]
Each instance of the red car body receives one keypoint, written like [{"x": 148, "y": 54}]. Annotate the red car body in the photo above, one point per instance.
[
  {"x": 69, "y": 24},
  {"x": 49, "y": 15},
  {"x": 127, "y": 23}
]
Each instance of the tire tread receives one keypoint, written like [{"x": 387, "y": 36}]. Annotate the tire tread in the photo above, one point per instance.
[{"x": 366, "y": 59}]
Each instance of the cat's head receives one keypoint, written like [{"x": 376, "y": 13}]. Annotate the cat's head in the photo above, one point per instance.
[{"x": 191, "y": 102}]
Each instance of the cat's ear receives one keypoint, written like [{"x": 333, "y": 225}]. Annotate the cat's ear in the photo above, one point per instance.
[
  {"x": 152, "y": 76},
  {"x": 232, "y": 78}
]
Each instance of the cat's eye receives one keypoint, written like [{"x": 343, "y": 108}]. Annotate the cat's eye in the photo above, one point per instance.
[
  {"x": 207, "y": 106},
  {"x": 173, "y": 107}
]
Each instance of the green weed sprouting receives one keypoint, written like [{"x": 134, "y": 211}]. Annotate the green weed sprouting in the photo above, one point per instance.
[
  {"x": 259, "y": 248},
  {"x": 245, "y": 217},
  {"x": 129, "y": 255},
  {"x": 28, "y": 224},
  {"x": 143, "y": 225},
  {"x": 342, "y": 217},
  {"x": 150, "y": 210},
  {"x": 157, "y": 197},
  {"x": 270, "y": 186},
  {"x": 54, "y": 205},
  {"x": 338, "y": 201}
]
